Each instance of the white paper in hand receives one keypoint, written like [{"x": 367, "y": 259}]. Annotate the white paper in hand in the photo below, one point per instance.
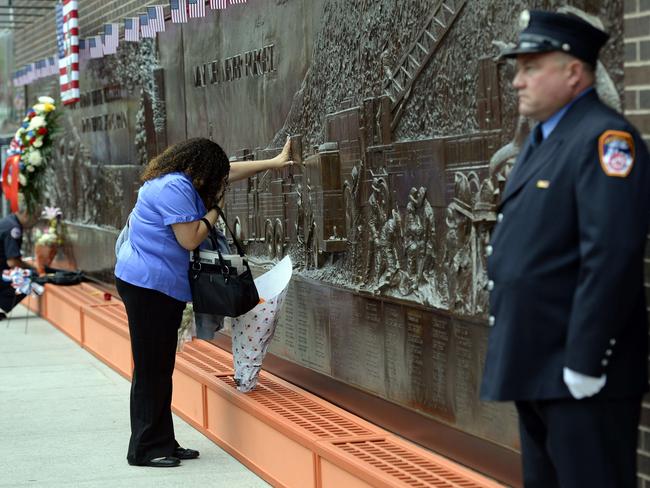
[{"x": 252, "y": 332}]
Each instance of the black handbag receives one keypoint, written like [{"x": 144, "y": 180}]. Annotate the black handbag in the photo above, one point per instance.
[{"x": 222, "y": 288}]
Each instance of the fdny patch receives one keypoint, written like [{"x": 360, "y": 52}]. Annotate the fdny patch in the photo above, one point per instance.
[
  {"x": 16, "y": 232},
  {"x": 616, "y": 151}
]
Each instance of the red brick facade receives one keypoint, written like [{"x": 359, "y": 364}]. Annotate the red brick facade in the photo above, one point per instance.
[{"x": 637, "y": 110}]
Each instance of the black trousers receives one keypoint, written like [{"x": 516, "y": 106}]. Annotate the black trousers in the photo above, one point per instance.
[
  {"x": 154, "y": 319},
  {"x": 579, "y": 443},
  {"x": 8, "y": 297}
]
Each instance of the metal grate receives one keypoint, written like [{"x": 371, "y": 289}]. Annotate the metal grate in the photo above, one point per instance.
[
  {"x": 84, "y": 294},
  {"x": 302, "y": 411},
  {"x": 408, "y": 468},
  {"x": 117, "y": 313},
  {"x": 211, "y": 363}
]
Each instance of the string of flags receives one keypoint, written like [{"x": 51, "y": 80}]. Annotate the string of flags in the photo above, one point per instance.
[{"x": 72, "y": 49}]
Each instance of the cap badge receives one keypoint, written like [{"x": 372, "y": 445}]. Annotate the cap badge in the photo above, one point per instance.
[
  {"x": 524, "y": 19},
  {"x": 616, "y": 151},
  {"x": 566, "y": 47}
]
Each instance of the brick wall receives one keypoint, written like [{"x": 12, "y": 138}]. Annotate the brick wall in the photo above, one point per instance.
[
  {"x": 38, "y": 41},
  {"x": 637, "y": 110}
]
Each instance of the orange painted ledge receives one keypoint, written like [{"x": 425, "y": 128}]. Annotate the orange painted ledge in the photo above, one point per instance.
[
  {"x": 287, "y": 436},
  {"x": 62, "y": 306}
]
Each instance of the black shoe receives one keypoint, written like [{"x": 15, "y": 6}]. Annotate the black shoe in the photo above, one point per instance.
[
  {"x": 163, "y": 462},
  {"x": 182, "y": 453}
]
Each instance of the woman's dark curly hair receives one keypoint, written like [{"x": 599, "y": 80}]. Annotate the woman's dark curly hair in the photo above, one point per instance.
[{"x": 202, "y": 160}]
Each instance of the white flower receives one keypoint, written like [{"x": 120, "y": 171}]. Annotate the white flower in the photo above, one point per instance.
[
  {"x": 22, "y": 179},
  {"x": 34, "y": 158},
  {"x": 38, "y": 142},
  {"x": 51, "y": 212},
  {"x": 46, "y": 100},
  {"x": 39, "y": 108},
  {"x": 19, "y": 133},
  {"x": 30, "y": 168},
  {"x": 36, "y": 122}
]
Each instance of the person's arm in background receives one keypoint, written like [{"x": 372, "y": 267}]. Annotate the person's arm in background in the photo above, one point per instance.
[
  {"x": 190, "y": 235},
  {"x": 13, "y": 262},
  {"x": 240, "y": 170},
  {"x": 12, "y": 251}
]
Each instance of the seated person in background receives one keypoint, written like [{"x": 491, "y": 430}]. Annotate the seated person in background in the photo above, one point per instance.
[{"x": 11, "y": 237}]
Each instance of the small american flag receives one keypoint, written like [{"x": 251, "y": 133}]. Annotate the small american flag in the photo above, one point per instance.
[
  {"x": 30, "y": 73},
  {"x": 132, "y": 29},
  {"x": 197, "y": 8},
  {"x": 84, "y": 50},
  {"x": 51, "y": 66},
  {"x": 179, "y": 11},
  {"x": 156, "y": 18},
  {"x": 111, "y": 33},
  {"x": 145, "y": 28},
  {"x": 218, "y": 4},
  {"x": 95, "y": 46},
  {"x": 39, "y": 69}
]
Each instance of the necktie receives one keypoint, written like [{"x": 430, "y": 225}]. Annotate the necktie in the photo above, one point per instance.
[{"x": 537, "y": 137}]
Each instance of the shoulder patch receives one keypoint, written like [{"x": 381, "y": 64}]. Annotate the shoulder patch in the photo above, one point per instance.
[
  {"x": 16, "y": 232},
  {"x": 616, "y": 151}
]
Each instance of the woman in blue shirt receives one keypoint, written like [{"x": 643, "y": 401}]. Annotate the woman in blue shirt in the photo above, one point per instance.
[{"x": 174, "y": 213}]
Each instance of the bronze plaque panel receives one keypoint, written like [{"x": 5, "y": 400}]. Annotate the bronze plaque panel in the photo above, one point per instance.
[
  {"x": 170, "y": 49},
  {"x": 304, "y": 336},
  {"x": 240, "y": 82}
]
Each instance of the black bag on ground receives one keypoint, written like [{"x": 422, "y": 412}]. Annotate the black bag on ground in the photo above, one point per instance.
[
  {"x": 61, "y": 277},
  {"x": 222, "y": 288}
]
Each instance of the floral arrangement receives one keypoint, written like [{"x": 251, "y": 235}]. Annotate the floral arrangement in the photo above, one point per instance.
[
  {"x": 29, "y": 154},
  {"x": 53, "y": 236},
  {"x": 47, "y": 243}
]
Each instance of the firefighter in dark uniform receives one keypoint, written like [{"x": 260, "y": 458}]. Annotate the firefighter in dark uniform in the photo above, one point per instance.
[
  {"x": 11, "y": 239},
  {"x": 569, "y": 335}
]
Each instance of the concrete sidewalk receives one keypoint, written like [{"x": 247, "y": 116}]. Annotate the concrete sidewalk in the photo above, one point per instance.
[{"x": 64, "y": 420}]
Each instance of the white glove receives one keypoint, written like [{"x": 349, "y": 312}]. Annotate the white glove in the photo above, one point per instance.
[{"x": 582, "y": 386}]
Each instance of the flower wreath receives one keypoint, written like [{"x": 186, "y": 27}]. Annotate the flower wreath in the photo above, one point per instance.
[{"x": 28, "y": 155}]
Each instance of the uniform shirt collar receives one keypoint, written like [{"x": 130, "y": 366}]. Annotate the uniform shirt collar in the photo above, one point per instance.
[
  {"x": 551, "y": 123},
  {"x": 17, "y": 220}
]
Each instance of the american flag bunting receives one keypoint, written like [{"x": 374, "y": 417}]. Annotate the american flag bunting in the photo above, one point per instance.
[
  {"x": 84, "y": 52},
  {"x": 132, "y": 29},
  {"x": 178, "y": 10},
  {"x": 196, "y": 8},
  {"x": 111, "y": 38},
  {"x": 156, "y": 18},
  {"x": 145, "y": 29},
  {"x": 95, "y": 47},
  {"x": 218, "y": 4}
]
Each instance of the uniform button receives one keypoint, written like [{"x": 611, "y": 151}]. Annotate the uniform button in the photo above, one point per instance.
[
  {"x": 491, "y": 320},
  {"x": 489, "y": 250},
  {"x": 612, "y": 342},
  {"x": 490, "y": 285},
  {"x": 499, "y": 217},
  {"x": 608, "y": 352},
  {"x": 604, "y": 362}
]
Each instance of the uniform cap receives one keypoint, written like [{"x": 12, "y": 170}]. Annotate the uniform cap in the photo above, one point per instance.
[{"x": 550, "y": 31}]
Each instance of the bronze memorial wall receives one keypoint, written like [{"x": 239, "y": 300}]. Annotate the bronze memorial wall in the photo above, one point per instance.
[{"x": 405, "y": 128}]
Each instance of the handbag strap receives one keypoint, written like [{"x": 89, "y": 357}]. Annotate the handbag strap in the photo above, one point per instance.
[
  {"x": 196, "y": 256},
  {"x": 240, "y": 250}
]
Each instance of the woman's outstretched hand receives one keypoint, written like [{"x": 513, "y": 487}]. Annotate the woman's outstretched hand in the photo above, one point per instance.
[{"x": 284, "y": 158}]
